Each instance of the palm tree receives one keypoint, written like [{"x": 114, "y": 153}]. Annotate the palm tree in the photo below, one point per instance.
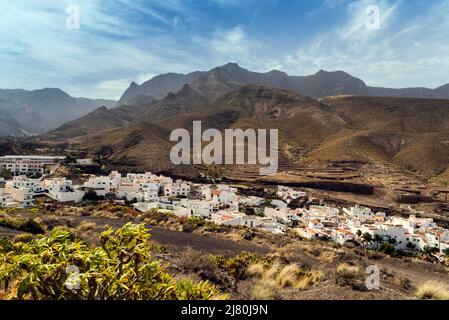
[
  {"x": 378, "y": 239},
  {"x": 367, "y": 238}
]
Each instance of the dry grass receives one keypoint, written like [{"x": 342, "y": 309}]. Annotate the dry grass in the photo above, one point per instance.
[
  {"x": 346, "y": 274},
  {"x": 86, "y": 226},
  {"x": 346, "y": 269},
  {"x": 272, "y": 272},
  {"x": 255, "y": 270},
  {"x": 285, "y": 276},
  {"x": 289, "y": 276},
  {"x": 264, "y": 290},
  {"x": 432, "y": 291}
]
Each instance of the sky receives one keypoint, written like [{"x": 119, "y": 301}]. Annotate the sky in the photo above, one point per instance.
[{"x": 390, "y": 43}]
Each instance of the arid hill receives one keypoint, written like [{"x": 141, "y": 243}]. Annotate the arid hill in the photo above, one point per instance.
[{"x": 408, "y": 133}]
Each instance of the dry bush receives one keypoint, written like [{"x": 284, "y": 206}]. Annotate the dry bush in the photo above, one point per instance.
[
  {"x": 327, "y": 256},
  {"x": 255, "y": 270},
  {"x": 402, "y": 282},
  {"x": 192, "y": 261},
  {"x": 264, "y": 290},
  {"x": 281, "y": 276},
  {"x": 289, "y": 276},
  {"x": 86, "y": 226},
  {"x": 272, "y": 273},
  {"x": 432, "y": 291},
  {"x": 347, "y": 274}
]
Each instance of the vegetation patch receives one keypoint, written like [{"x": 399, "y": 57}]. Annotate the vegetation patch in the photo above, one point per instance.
[
  {"x": 62, "y": 266},
  {"x": 22, "y": 224},
  {"x": 432, "y": 291}
]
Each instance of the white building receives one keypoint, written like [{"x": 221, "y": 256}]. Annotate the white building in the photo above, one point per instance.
[
  {"x": 6, "y": 199},
  {"x": 288, "y": 194},
  {"x": 179, "y": 188},
  {"x": 361, "y": 213},
  {"x": 251, "y": 201},
  {"x": 28, "y": 164},
  {"x": 22, "y": 197},
  {"x": 279, "y": 204},
  {"x": 62, "y": 190},
  {"x": 101, "y": 185},
  {"x": 22, "y": 182}
]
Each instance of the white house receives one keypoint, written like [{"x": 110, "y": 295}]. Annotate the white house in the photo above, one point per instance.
[
  {"x": 279, "y": 203},
  {"x": 101, "y": 185},
  {"x": 179, "y": 188},
  {"x": 199, "y": 208},
  {"x": 22, "y": 196},
  {"x": 22, "y": 182},
  {"x": 360, "y": 213},
  {"x": 251, "y": 201},
  {"x": 62, "y": 190},
  {"x": 288, "y": 194},
  {"x": 6, "y": 199}
]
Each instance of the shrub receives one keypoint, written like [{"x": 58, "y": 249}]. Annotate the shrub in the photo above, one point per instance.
[
  {"x": 86, "y": 226},
  {"x": 237, "y": 266},
  {"x": 264, "y": 290},
  {"x": 283, "y": 276},
  {"x": 288, "y": 275},
  {"x": 346, "y": 274},
  {"x": 22, "y": 224},
  {"x": 248, "y": 235},
  {"x": 255, "y": 270},
  {"x": 432, "y": 291},
  {"x": 121, "y": 268},
  {"x": 23, "y": 237}
]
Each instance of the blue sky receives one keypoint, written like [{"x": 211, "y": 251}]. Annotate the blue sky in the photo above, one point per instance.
[{"x": 125, "y": 40}]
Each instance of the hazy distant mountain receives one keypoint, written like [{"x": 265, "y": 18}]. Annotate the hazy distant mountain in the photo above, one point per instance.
[
  {"x": 231, "y": 76},
  {"x": 37, "y": 111}
]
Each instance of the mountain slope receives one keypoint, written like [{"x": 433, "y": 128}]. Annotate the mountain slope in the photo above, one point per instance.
[
  {"x": 145, "y": 143},
  {"x": 411, "y": 133},
  {"x": 41, "y": 110}
]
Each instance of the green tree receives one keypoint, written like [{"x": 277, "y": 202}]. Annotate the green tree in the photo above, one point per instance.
[
  {"x": 446, "y": 252},
  {"x": 120, "y": 268},
  {"x": 5, "y": 174},
  {"x": 378, "y": 239},
  {"x": 427, "y": 253},
  {"x": 367, "y": 239}
]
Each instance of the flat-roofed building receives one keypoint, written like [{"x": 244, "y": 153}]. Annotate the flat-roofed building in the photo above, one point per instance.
[{"x": 21, "y": 164}]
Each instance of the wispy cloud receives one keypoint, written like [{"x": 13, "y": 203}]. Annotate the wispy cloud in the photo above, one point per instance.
[
  {"x": 124, "y": 40},
  {"x": 403, "y": 52}
]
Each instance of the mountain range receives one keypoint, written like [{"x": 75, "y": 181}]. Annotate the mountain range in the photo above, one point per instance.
[
  {"x": 25, "y": 112},
  {"x": 336, "y": 117},
  {"x": 231, "y": 76}
]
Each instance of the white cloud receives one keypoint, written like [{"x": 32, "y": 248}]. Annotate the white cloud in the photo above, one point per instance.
[
  {"x": 110, "y": 50},
  {"x": 402, "y": 53}
]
